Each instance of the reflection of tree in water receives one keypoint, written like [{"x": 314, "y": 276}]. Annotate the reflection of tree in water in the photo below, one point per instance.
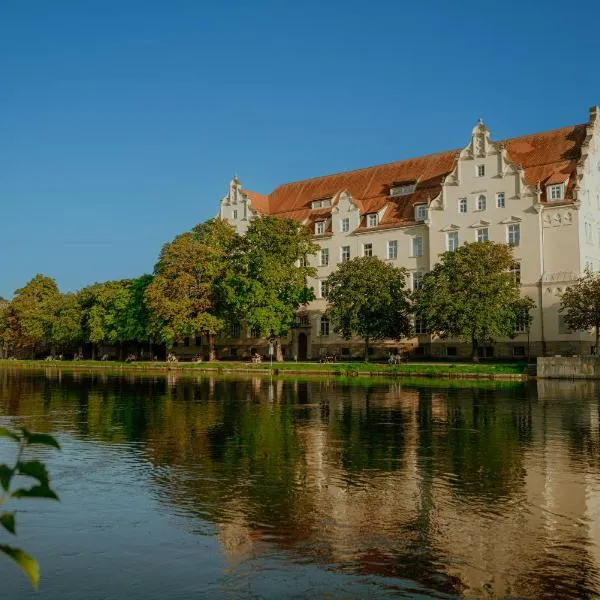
[{"x": 325, "y": 470}]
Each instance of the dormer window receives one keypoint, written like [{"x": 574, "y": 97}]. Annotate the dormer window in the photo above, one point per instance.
[
  {"x": 402, "y": 190},
  {"x": 420, "y": 212},
  {"x": 372, "y": 220},
  {"x": 321, "y": 203},
  {"x": 555, "y": 192},
  {"x": 480, "y": 170},
  {"x": 320, "y": 227}
]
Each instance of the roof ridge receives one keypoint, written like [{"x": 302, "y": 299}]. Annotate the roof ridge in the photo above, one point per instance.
[{"x": 517, "y": 137}]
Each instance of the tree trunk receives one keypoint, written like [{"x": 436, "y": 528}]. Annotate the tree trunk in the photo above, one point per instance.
[
  {"x": 474, "y": 348},
  {"x": 211, "y": 347},
  {"x": 120, "y": 350},
  {"x": 278, "y": 351},
  {"x": 93, "y": 351},
  {"x": 366, "y": 349}
]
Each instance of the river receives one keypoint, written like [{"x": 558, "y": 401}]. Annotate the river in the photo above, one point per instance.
[{"x": 177, "y": 487}]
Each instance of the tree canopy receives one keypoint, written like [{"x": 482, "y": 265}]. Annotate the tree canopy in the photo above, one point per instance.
[
  {"x": 186, "y": 296},
  {"x": 580, "y": 304},
  {"x": 268, "y": 279},
  {"x": 470, "y": 294},
  {"x": 368, "y": 298}
]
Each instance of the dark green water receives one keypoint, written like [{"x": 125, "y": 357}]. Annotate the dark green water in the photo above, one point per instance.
[{"x": 179, "y": 487}]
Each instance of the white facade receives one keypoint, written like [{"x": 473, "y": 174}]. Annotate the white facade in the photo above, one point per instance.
[{"x": 553, "y": 224}]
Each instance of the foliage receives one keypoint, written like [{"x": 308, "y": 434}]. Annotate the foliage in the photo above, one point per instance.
[
  {"x": 32, "y": 469},
  {"x": 580, "y": 304},
  {"x": 470, "y": 294},
  {"x": 368, "y": 298},
  {"x": 66, "y": 320},
  {"x": 186, "y": 296},
  {"x": 268, "y": 283},
  {"x": 31, "y": 313}
]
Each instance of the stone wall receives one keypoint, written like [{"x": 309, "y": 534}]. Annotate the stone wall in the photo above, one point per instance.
[{"x": 572, "y": 367}]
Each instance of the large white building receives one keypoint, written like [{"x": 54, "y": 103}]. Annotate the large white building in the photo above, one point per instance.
[{"x": 540, "y": 193}]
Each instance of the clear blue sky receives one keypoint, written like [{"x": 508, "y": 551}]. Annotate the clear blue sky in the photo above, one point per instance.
[{"x": 121, "y": 121}]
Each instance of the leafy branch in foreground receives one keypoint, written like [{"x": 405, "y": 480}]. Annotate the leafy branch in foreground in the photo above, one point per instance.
[{"x": 34, "y": 469}]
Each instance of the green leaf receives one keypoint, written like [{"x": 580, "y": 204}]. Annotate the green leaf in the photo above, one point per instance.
[
  {"x": 40, "y": 438},
  {"x": 5, "y": 476},
  {"x": 28, "y": 565},
  {"x": 7, "y": 520},
  {"x": 35, "y": 469},
  {"x": 9, "y": 434},
  {"x": 37, "y": 491}
]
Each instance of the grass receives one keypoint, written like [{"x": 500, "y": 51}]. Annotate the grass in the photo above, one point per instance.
[{"x": 352, "y": 369}]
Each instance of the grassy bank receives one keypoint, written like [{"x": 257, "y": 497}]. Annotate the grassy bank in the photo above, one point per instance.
[{"x": 458, "y": 370}]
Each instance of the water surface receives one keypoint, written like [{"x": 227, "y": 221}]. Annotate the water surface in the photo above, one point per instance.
[{"x": 183, "y": 487}]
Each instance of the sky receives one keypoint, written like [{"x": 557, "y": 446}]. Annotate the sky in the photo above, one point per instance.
[{"x": 122, "y": 121}]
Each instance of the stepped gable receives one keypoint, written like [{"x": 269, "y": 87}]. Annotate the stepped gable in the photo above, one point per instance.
[{"x": 548, "y": 157}]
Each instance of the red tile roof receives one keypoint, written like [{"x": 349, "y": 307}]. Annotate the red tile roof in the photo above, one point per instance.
[{"x": 548, "y": 157}]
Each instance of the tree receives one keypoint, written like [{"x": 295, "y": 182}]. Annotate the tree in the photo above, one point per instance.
[
  {"x": 32, "y": 313},
  {"x": 32, "y": 469},
  {"x": 368, "y": 298},
  {"x": 268, "y": 280},
  {"x": 470, "y": 294},
  {"x": 186, "y": 296},
  {"x": 580, "y": 304},
  {"x": 66, "y": 328}
]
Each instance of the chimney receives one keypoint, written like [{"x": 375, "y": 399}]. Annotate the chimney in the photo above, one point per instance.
[{"x": 594, "y": 114}]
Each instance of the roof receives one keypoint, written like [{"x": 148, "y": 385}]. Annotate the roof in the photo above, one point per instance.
[{"x": 548, "y": 157}]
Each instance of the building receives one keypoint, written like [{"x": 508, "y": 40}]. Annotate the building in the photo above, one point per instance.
[{"x": 540, "y": 193}]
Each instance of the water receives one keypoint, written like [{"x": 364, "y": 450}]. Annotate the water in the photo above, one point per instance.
[{"x": 176, "y": 487}]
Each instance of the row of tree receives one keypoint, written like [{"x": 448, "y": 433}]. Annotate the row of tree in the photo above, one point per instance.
[{"x": 210, "y": 277}]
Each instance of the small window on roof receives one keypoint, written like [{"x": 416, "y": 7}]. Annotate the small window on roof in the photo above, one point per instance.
[
  {"x": 403, "y": 189},
  {"x": 420, "y": 212},
  {"x": 372, "y": 219},
  {"x": 321, "y": 203},
  {"x": 555, "y": 192},
  {"x": 320, "y": 227}
]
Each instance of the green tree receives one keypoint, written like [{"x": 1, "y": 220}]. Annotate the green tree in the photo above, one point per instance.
[
  {"x": 471, "y": 295},
  {"x": 32, "y": 469},
  {"x": 368, "y": 298},
  {"x": 66, "y": 327},
  {"x": 32, "y": 313},
  {"x": 186, "y": 296},
  {"x": 580, "y": 304},
  {"x": 5, "y": 331},
  {"x": 268, "y": 280}
]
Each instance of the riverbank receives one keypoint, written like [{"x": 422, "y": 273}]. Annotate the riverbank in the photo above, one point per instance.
[{"x": 491, "y": 371}]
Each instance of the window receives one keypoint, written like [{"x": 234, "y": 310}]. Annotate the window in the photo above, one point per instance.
[
  {"x": 345, "y": 351},
  {"x": 320, "y": 227},
  {"x": 324, "y": 326},
  {"x": 482, "y": 235},
  {"x": 522, "y": 324},
  {"x": 417, "y": 246},
  {"x": 345, "y": 225},
  {"x": 563, "y": 328},
  {"x": 323, "y": 288},
  {"x": 255, "y": 332},
  {"x": 518, "y": 351},
  {"x": 420, "y": 325},
  {"x": 402, "y": 190},
  {"x": 302, "y": 261},
  {"x": 324, "y": 257},
  {"x": 367, "y": 249},
  {"x": 452, "y": 240},
  {"x": 420, "y": 212},
  {"x": 462, "y": 206},
  {"x": 451, "y": 351},
  {"x": 556, "y": 192},
  {"x": 234, "y": 330},
  {"x": 392, "y": 250},
  {"x": 515, "y": 270},
  {"x": 500, "y": 201},
  {"x": 345, "y": 253},
  {"x": 198, "y": 340},
  {"x": 372, "y": 220},
  {"x": 186, "y": 341},
  {"x": 514, "y": 235},
  {"x": 480, "y": 204},
  {"x": 417, "y": 279},
  {"x": 303, "y": 321},
  {"x": 235, "y": 214},
  {"x": 480, "y": 170},
  {"x": 322, "y": 203}
]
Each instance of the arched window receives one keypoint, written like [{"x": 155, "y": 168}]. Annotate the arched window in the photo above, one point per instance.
[{"x": 481, "y": 202}]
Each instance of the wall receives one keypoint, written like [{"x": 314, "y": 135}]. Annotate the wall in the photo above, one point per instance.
[{"x": 575, "y": 367}]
